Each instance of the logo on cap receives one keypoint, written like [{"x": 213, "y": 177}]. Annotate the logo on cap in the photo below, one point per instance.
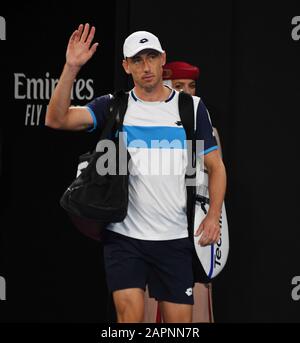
[{"x": 144, "y": 40}]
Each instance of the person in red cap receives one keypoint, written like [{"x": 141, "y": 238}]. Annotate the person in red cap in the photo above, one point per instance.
[{"x": 183, "y": 76}]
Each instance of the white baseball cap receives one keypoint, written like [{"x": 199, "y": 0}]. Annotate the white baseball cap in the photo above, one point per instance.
[{"x": 140, "y": 40}]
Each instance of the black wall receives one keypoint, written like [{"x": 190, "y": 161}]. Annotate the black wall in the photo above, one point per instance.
[{"x": 52, "y": 272}]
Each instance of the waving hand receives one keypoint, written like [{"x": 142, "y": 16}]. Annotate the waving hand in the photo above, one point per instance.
[{"x": 79, "y": 49}]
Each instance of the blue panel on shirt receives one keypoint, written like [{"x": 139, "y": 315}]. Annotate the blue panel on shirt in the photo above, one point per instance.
[{"x": 163, "y": 137}]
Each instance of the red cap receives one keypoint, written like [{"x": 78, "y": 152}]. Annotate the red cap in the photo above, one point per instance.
[{"x": 180, "y": 70}]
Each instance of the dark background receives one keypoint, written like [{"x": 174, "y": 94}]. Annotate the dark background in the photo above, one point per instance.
[{"x": 249, "y": 80}]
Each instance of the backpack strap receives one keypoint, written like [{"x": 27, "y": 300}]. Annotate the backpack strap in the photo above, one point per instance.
[
  {"x": 187, "y": 116},
  {"x": 117, "y": 109}
]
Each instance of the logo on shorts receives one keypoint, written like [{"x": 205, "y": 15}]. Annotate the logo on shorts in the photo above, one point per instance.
[{"x": 189, "y": 292}]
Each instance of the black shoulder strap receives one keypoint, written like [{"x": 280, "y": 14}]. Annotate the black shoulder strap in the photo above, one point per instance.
[
  {"x": 186, "y": 112},
  {"x": 187, "y": 117},
  {"x": 117, "y": 109},
  {"x": 119, "y": 103}
]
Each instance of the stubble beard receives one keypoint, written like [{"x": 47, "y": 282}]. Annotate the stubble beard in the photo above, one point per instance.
[{"x": 149, "y": 88}]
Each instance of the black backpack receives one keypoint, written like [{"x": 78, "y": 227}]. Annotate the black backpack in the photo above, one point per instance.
[{"x": 93, "y": 200}]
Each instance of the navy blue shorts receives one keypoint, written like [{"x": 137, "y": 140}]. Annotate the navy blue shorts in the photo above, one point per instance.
[{"x": 165, "y": 266}]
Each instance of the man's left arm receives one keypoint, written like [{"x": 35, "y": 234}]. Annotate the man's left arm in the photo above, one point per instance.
[{"x": 210, "y": 226}]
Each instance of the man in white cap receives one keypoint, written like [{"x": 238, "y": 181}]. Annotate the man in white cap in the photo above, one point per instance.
[{"x": 151, "y": 246}]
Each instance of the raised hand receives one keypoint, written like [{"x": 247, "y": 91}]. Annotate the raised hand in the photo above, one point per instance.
[{"x": 79, "y": 49}]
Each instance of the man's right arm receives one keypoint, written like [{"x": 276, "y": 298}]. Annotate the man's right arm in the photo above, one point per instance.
[{"x": 60, "y": 115}]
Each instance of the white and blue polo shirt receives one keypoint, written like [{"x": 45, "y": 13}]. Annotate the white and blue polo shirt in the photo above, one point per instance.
[{"x": 156, "y": 143}]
